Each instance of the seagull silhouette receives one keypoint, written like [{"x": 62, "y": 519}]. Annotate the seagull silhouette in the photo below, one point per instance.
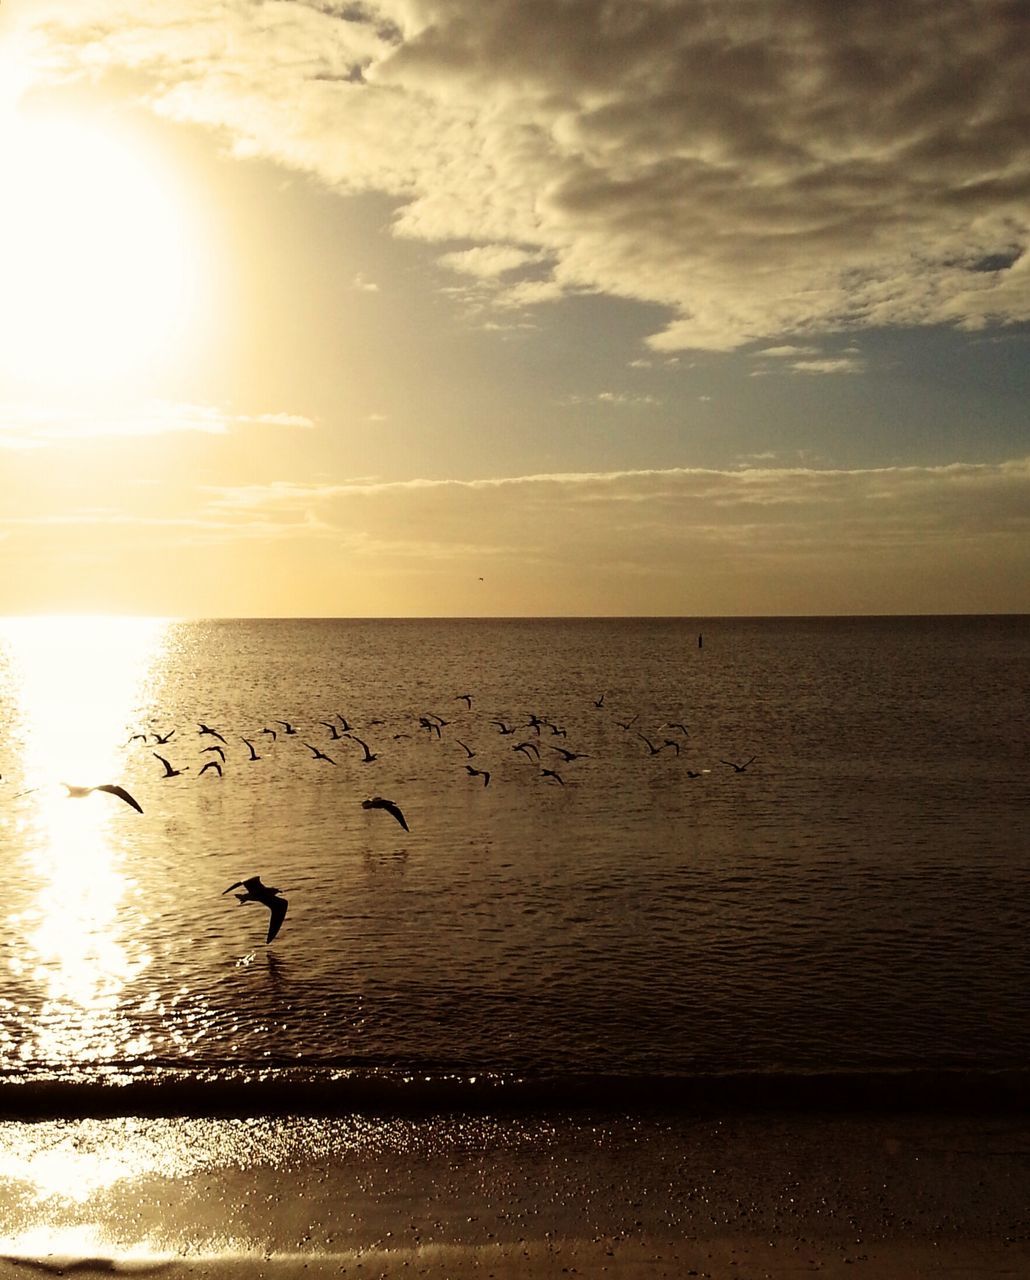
[
  {"x": 287, "y": 727},
  {"x": 550, "y": 773},
  {"x": 211, "y": 764},
  {"x": 464, "y": 697},
  {"x": 318, "y": 755},
  {"x": 334, "y": 732},
  {"x": 469, "y": 753},
  {"x": 369, "y": 755},
  {"x": 738, "y": 768},
  {"x": 380, "y": 802},
  {"x": 478, "y": 773},
  {"x": 271, "y": 733},
  {"x": 567, "y": 755},
  {"x": 170, "y": 772},
  {"x": 267, "y": 896},
  {"x": 136, "y": 737},
  {"x": 161, "y": 739},
  {"x": 599, "y": 702},
  {"x": 250, "y": 747},
  {"x": 203, "y": 728},
  {"x": 526, "y": 748},
  {"x": 78, "y": 793},
  {"x": 219, "y": 750}
]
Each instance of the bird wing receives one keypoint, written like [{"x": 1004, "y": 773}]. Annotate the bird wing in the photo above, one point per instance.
[
  {"x": 238, "y": 885},
  {"x": 277, "y": 906},
  {"x": 121, "y": 793}
]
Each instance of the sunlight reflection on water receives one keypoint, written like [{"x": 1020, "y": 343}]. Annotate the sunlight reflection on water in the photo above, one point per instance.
[{"x": 73, "y": 684}]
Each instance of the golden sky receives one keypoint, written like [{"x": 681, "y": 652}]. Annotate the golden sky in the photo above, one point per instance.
[{"x": 456, "y": 307}]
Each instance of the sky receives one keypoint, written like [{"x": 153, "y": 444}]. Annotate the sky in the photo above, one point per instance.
[{"x": 514, "y": 307}]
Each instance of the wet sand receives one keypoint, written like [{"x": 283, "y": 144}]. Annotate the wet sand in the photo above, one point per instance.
[{"x": 540, "y": 1196}]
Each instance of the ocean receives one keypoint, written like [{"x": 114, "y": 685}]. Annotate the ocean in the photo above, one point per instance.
[{"x": 643, "y": 921}]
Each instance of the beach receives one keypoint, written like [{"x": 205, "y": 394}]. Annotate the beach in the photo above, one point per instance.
[{"x": 542, "y": 1195}]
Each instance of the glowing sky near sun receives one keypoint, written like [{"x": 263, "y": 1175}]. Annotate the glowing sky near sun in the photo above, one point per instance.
[{"x": 450, "y": 307}]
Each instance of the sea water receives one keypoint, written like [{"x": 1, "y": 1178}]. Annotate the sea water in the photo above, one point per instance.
[{"x": 853, "y": 901}]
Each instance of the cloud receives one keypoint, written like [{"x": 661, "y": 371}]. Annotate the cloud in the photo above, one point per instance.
[
  {"x": 489, "y": 261},
  {"x": 32, "y": 426},
  {"x": 758, "y": 169}
]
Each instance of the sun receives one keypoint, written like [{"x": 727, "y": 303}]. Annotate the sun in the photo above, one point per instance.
[{"x": 97, "y": 257}]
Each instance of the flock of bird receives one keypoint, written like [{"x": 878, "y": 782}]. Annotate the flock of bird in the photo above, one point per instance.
[{"x": 536, "y": 735}]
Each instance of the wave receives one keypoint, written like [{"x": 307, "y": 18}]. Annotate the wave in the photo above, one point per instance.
[{"x": 231, "y": 1092}]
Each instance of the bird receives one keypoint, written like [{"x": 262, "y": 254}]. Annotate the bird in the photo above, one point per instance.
[
  {"x": 77, "y": 793},
  {"x": 267, "y": 896},
  {"x": 219, "y": 750},
  {"x": 334, "y": 732},
  {"x": 318, "y": 755},
  {"x": 656, "y": 750},
  {"x": 502, "y": 727},
  {"x": 250, "y": 747},
  {"x": 550, "y": 773},
  {"x": 211, "y": 764},
  {"x": 345, "y": 724},
  {"x": 287, "y": 727},
  {"x": 429, "y": 726},
  {"x": 204, "y": 729},
  {"x": 369, "y": 755},
  {"x": 567, "y": 755},
  {"x": 170, "y": 772},
  {"x": 738, "y": 768},
  {"x": 380, "y": 802},
  {"x": 136, "y": 737},
  {"x": 478, "y": 773},
  {"x": 271, "y": 733},
  {"x": 464, "y": 697},
  {"x": 599, "y": 702},
  {"x": 469, "y": 753},
  {"x": 161, "y": 739},
  {"x": 629, "y": 723},
  {"x": 675, "y": 724},
  {"x": 526, "y": 748}
]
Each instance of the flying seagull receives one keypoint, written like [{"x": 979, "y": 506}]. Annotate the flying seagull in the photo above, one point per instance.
[
  {"x": 288, "y": 728},
  {"x": 267, "y": 896},
  {"x": 478, "y": 773},
  {"x": 161, "y": 739},
  {"x": 205, "y": 729},
  {"x": 318, "y": 755},
  {"x": 250, "y": 747},
  {"x": 464, "y": 697},
  {"x": 738, "y": 768},
  {"x": 369, "y": 755},
  {"x": 219, "y": 750},
  {"x": 379, "y": 802},
  {"x": 211, "y": 764},
  {"x": 77, "y": 793},
  {"x": 170, "y": 772}
]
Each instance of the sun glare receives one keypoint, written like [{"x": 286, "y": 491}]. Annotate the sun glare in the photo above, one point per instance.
[
  {"x": 95, "y": 253},
  {"x": 75, "y": 685}
]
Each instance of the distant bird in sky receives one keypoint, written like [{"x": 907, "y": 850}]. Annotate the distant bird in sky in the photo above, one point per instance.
[
  {"x": 567, "y": 755},
  {"x": 219, "y": 750},
  {"x": 288, "y": 728},
  {"x": 502, "y": 727},
  {"x": 629, "y": 723},
  {"x": 170, "y": 771},
  {"x": 656, "y": 750},
  {"x": 161, "y": 739},
  {"x": 369, "y": 755},
  {"x": 250, "y": 747},
  {"x": 271, "y": 733},
  {"x": 675, "y": 724},
  {"x": 464, "y": 697},
  {"x": 267, "y": 896},
  {"x": 599, "y": 702},
  {"x": 478, "y": 773},
  {"x": 136, "y": 737},
  {"x": 334, "y": 732},
  {"x": 550, "y": 773},
  {"x": 738, "y": 768},
  {"x": 380, "y": 802},
  {"x": 78, "y": 793},
  {"x": 527, "y": 749},
  {"x": 318, "y": 755},
  {"x": 428, "y": 725},
  {"x": 345, "y": 724},
  {"x": 205, "y": 729},
  {"x": 469, "y": 753},
  {"x": 211, "y": 764}
]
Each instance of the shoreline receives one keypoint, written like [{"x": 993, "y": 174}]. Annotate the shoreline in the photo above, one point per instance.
[
  {"x": 418, "y": 1093},
  {"x": 542, "y": 1195}
]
